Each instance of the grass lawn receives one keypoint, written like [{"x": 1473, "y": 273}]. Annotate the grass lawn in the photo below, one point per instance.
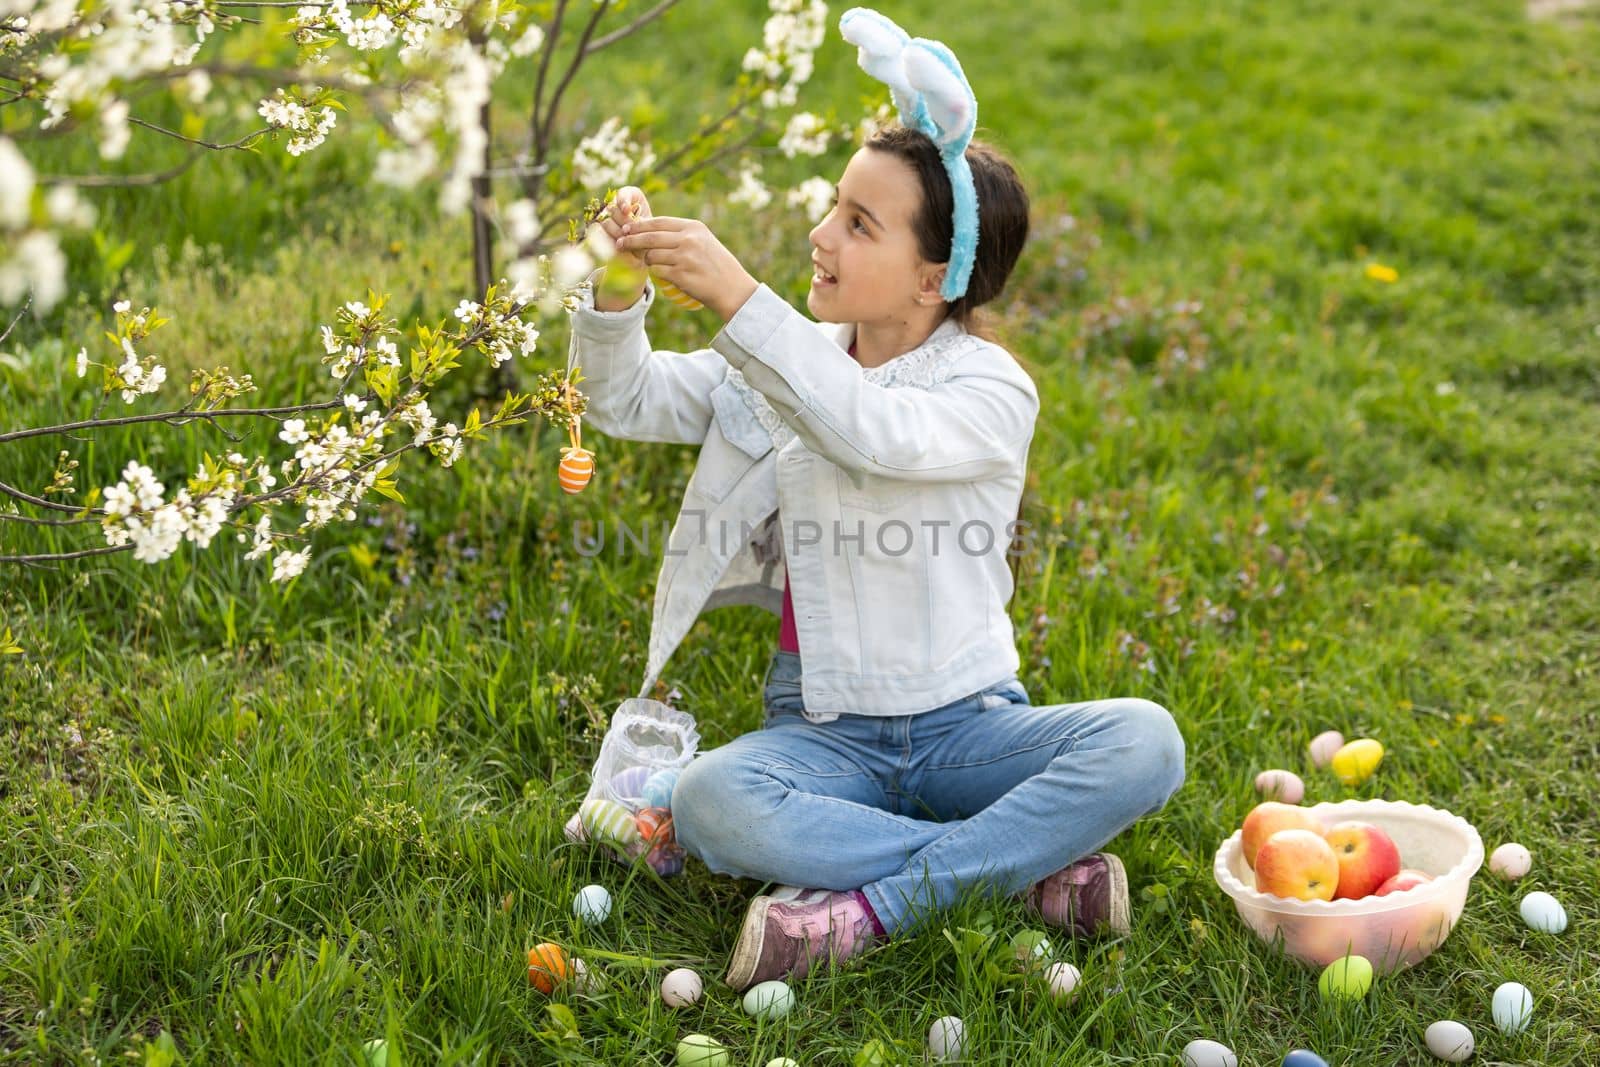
[{"x": 1279, "y": 494}]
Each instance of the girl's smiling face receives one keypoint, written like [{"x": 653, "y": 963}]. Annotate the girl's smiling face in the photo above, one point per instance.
[{"x": 866, "y": 267}]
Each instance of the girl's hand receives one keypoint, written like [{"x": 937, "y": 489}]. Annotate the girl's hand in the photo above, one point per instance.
[
  {"x": 687, "y": 254},
  {"x": 629, "y": 205},
  {"x": 624, "y": 279}
]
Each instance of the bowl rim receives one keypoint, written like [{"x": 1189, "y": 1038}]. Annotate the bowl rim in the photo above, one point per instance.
[{"x": 1462, "y": 870}]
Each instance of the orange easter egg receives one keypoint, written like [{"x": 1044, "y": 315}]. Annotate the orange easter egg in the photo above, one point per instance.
[
  {"x": 548, "y": 967},
  {"x": 674, "y": 295},
  {"x": 655, "y": 824},
  {"x": 577, "y": 467}
]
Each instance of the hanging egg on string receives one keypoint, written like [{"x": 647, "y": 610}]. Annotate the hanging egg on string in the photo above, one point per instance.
[
  {"x": 673, "y": 295},
  {"x": 577, "y": 467}
]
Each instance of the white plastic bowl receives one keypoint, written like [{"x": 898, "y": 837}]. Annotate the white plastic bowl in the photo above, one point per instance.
[{"x": 1392, "y": 931}]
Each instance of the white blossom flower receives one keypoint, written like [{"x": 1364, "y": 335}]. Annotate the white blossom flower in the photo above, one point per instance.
[
  {"x": 286, "y": 565},
  {"x": 331, "y": 342},
  {"x": 751, "y": 190},
  {"x": 606, "y": 157},
  {"x": 16, "y": 186},
  {"x": 530, "y": 42},
  {"x": 806, "y": 134},
  {"x": 354, "y": 403},
  {"x": 83, "y": 362},
  {"x": 813, "y": 196},
  {"x": 122, "y": 307},
  {"x": 467, "y": 309},
  {"x": 522, "y": 222},
  {"x": 294, "y": 431},
  {"x": 570, "y": 264}
]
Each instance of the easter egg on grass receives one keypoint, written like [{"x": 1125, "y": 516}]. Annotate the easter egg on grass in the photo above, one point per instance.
[
  {"x": 1356, "y": 761},
  {"x": 1448, "y": 1040},
  {"x": 1203, "y": 1053},
  {"x": 698, "y": 1050},
  {"x": 1303, "y": 1058},
  {"x": 1324, "y": 745},
  {"x": 1510, "y": 861},
  {"x": 592, "y": 904},
  {"x": 947, "y": 1038},
  {"x": 1512, "y": 1007},
  {"x": 1063, "y": 979},
  {"x": 1543, "y": 912},
  {"x": 769, "y": 1000},
  {"x": 548, "y": 967},
  {"x": 1346, "y": 978},
  {"x": 681, "y": 988},
  {"x": 1281, "y": 785},
  {"x": 376, "y": 1052}
]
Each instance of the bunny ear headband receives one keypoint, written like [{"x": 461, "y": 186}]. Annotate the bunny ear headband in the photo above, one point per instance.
[{"x": 932, "y": 95}]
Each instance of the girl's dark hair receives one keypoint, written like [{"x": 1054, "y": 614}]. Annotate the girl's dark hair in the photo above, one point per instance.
[{"x": 1002, "y": 215}]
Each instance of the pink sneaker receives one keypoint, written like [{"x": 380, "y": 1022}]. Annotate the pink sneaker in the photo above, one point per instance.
[
  {"x": 785, "y": 939},
  {"x": 1087, "y": 897}
]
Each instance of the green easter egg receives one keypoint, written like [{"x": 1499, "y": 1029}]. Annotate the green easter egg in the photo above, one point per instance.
[
  {"x": 1346, "y": 978},
  {"x": 782, "y": 1061},
  {"x": 698, "y": 1050},
  {"x": 769, "y": 1000},
  {"x": 873, "y": 1054},
  {"x": 377, "y": 1052}
]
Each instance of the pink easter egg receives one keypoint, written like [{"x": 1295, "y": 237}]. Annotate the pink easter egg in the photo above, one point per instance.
[
  {"x": 1281, "y": 785},
  {"x": 1324, "y": 745}
]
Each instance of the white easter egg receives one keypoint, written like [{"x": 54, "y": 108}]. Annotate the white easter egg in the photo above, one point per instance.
[
  {"x": 583, "y": 979},
  {"x": 592, "y": 904},
  {"x": 1324, "y": 745},
  {"x": 769, "y": 1000},
  {"x": 1512, "y": 1007},
  {"x": 1510, "y": 861},
  {"x": 1543, "y": 912},
  {"x": 947, "y": 1038},
  {"x": 782, "y": 1061},
  {"x": 1285, "y": 786},
  {"x": 1063, "y": 979},
  {"x": 1448, "y": 1040},
  {"x": 681, "y": 988},
  {"x": 1203, "y": 1053}
]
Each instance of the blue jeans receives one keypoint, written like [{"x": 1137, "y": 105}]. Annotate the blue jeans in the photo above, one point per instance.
[{"x": 987, "y": 791}]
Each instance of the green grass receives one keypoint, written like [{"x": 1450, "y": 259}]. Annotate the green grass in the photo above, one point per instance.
[{"x": 276, "y": 823}]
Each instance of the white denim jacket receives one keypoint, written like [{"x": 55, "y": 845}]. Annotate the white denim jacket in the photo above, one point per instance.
[{"x": 896, "y": 487}]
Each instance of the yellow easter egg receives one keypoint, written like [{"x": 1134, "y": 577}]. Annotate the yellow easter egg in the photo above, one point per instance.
[
  {"x": 675, "y": 296},
  {"x": 1355, "y": 762}
]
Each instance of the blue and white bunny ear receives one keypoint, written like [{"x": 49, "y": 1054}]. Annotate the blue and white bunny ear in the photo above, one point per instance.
[
  {"x": 932, "y": 94},
  {"x": 880, "y": 45},
  {"x": 936, "y": 75}
]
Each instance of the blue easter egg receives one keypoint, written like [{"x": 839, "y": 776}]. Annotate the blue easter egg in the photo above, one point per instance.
[
  {"x": 658, "y": 789},
  {"x": 1301, "y": 1058}
]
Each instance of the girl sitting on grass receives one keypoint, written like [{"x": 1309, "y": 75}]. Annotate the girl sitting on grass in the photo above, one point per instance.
[{"x": 878, "y": 450}]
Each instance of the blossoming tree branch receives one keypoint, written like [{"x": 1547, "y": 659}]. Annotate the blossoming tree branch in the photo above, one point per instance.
[{"x": 421, "y": 73}]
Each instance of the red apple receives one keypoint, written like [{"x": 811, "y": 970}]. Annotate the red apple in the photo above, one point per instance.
[
  {"x": 1297, "y": 864},
  {"x": 1406, "y": 879},
  {"x": 1367, "y": 858},
  {"x": 1267, "y": 818}
]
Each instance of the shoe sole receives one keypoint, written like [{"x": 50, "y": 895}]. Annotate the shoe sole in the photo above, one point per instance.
[
  {"x": 747, "y": 950},
  {"x": 1119, "y": 921}
]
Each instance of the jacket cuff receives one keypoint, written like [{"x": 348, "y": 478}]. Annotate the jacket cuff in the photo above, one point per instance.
[
  {"x": 596, "y": 325},
  {"x": 752, "y": 326}
]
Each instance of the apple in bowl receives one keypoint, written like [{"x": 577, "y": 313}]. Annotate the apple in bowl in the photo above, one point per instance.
[
  {"x": 1267, "y": 818},
  {"x": 1368, "y": 857},
  {"x": 1299, "y": 864}
]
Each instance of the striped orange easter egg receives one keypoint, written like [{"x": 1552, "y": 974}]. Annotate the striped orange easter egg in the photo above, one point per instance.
[
  {"x": 655, "y": 825},
  {"x": 674, "y": 295},
  {"x": 577, "y": 467}
]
